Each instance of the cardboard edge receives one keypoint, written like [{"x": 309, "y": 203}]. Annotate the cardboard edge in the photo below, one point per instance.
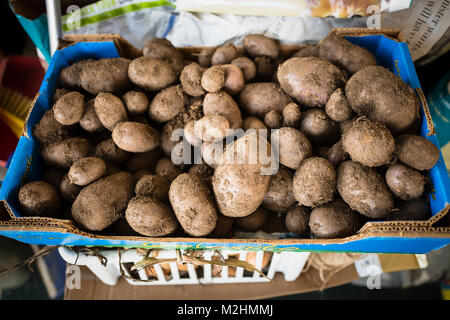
[
  {"x": 5, "y": 207},
  {"x": 426, "y": 110},
  {"x": 392, "y": 33},
  {"x": 25, "y": 132}
]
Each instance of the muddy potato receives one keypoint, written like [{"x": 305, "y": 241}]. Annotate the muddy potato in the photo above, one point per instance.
[
  {"x": 109, "y": 151},
  {"x": 105, "y": 75},
  {"x": 247, "y": 67},
  {"x": 153, "y": 185},
  {"x": 193, "y": 205},
  {"x": 347, "y": 124},
  {"x": 264, "y": 68},
  {"x": 64, "y": 153},
  {"x": 166, "y": 169},
  {"x": 143, "y": 161},
  {"x": 336, "y": 154},
  {"x": 189, "y": 134},
  {"x": 39, "y": 199},
  {"x": 345, "y": 54},
  {"x": 310, "y": 51},
  {"x": 110, "y": 110},
  {"x": 87, "y": 170},
  {"x": 135, "y": 137},
  {"x": 253, "y": 221},
  {"x": 222, "y": 104},
  {"x": 416, "y": 152},
  {"x": 334, "y": 220},
  {"x": 405, "y": 183},
  {"x": 167, "y": 104},
  {"x": 136, "y": 102},
  {"x": 212, "y": 153},
  {"x": 364, "y": 190},
  {"x": 151, "y": 74},
  {"x": 211, "y": 128},
  {"x": 234, "y": 79},
  {"x": 319, "y": 128},
  {"x": 163, "y": 49},
  {"x": 258, "y": 45},
  {"x": 150, "y": 217},
  {"x": 413, "y": 210},
  {"x": 48, "y": 129},
  {"x": 69, "y": 77},
  {"x": 223, "y": 227},
  {"x": 369, "y": 143},
  {"x": 59, "y": 92},
  {"x": 310, "y": 80},
  {"x": 259, "y": 98},
  {"x": 213, "y": 79},
  {"x": 89, "y": 121},
  {"x": 69, "y": 108},
  {"x": 293, "y": 146},
  {"x": 191, "y": 79},
  {"x": 381, "y": 96},
  {"x": 297, "y": 220},
  {"x": 68, "y": 190},
  {"x": 273, "y": 119},
  {"x": 314, "y": 182},
  {"x": 337, "y": 107},
  {"x": 224, "y": 54},
  {"x": 202, "y": 170},
  {"x": 253, "y": 123},
  {"x": 204, "y": 57},
  {"x": 279, "y": 196},
  {"x": 292, "y": 115}
]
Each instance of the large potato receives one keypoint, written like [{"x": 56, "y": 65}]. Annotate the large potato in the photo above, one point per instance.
[
  {"x": 69, "y": 108},
  {"x": 163, "y": 49},
  {"x": 193, "y": 205},
  {"x": 135, "y": 137},
  {"x": 191, "y": 78},
  {"x": 405, "y": 183},
  {"x": 293, "y": 146},
  {"x": 151, "y": 74},
  {"x": 222, "y": 104},
  {"x": 167, "y": 103},
  {"x": 87, "y": 170},
  {"x": 69, "y": 77},
  {"x": 110, "y": 110},
  {"x": 258, "y": 45},
  {"x": 416, "y": 152},
  {"x": 39, "y": 199}
]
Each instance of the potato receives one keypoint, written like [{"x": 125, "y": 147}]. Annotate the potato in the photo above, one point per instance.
[
  {"x": 212, "y": 153},
  {"x": 364, "y": 190},
  {"x": 381, "y": 96},
  {"x": 39, "y": 199},
  {"x": 69, "y": 77},
  {"x": 48, "y": 129},
  {"x": 68, "y": 190},
  {"x": 166, "y": 169},
  {"x": 136, "y": 102},
  {"x": 253, "y": 123},
  {"x": 191, "y": 79},
  {"x": 154, "y": 186},
  {"x": 69, "y": 108},
  {"x": 318, "y": 128},
  {"x": 89, "y": 121},
  {"x": 143, "y": 161},
  {"x": 264, "y": 69},
  {"x": 336, "y": 154},
  {"x": 259, "y": 98},
  {"x": 204, "y": 57},
  {"x": 347, "y": 124},
  {"x": 310, "y": 51},
  {"x": 139, "y": 174},
  {"x": 150, "y": 217},
  {"x": 213, "y": 79},
  {"x": 103, "y": 202},
  {"x": 334, "y": 220},
  {"x": 110, "y": 110},
  {"x": 189, "y": 134},
  {"x": 234, "y": 79},
  {"x": 135, "y": 137},
  {"x": 405, "y": 183},
  {"x": 163, "y": 49},
  {"x": 314, "y": 182},
  {"x": 193, "y": 205},
  {"x": 279, "y": 196},
  {"x": 222, "y": 104},
  {"x": 211, "y": 128},
  {"x": 64, "y": 153},
  {"x": 369, "y": 143},
  {"x": 253, "y": 221},
  {"x": 109, "y": 151},
  {"x": 297, "y": 220},
  {"x": 273, "y": 119},
  {"x": 337, "y": 107},
  {"x": 167, "y": 104},
  {"x": 105, "y": 75},
  {"x": 293, "y": 146},
  {"x": 151, "y": 74},
  {"x": 416, "y": 152},
  {"x": 414, "y": 210},
  {"x": 292, "y": 115},
  {"x": 224, "y": 54},
  {"x": 258, "y": 45},
  {"x": 87, "y": 170},
  {"x": 310, "y": 80},
  {"x": 202, "y": 170},
  {"x": 247, "y": 67},
  {"x": 345, "y": 54},
  {"x": 223, "y": 227}
]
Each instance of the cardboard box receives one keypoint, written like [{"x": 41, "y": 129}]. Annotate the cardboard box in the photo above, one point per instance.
[{"x": 396, "y": 237}]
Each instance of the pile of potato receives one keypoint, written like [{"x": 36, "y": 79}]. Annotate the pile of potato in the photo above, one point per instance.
[{"x": 345, "y": 131}]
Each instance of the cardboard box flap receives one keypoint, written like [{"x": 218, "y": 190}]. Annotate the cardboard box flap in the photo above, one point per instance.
[{"x": 392, "y": 33}]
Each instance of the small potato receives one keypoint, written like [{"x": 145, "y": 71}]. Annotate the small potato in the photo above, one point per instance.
[
  {"x": 364, "y": 190},
  {"x": 213, "y": 79},
  {"x": 297, "y": 220},
  {"x": 224, "y": 54},
  {"x": 89, "y": 121},
  {"x": 337, "y": 106},
  {"x": 105, "y": 75},
  {"x": 336, "y": 154},
  {"x": 279, "y": 196},
  {"x": 59, "y": 92},
  {"x": 150, "y": 217},
  {"x": 135, "y": 137},
  {"x": 110, "y": 110},
  {"x": 153, "y": 185},
  {"x": 166, "y": 169},
  {"x": 39, "y": 199},
  {"x": 369, "y": 143},
  {"x": 212, "y": 153},
  {"x": 405, "y": 183},
  {"x": 416, "y": 152},
  {"x": 69, "y": 108},
  {"x": 314, "y": 182},
  {"x": 347, "y": 124},
  {"x": 247, "y": 67},
  {"x": 204, "y": 58},
  {"x": 64, "y": 153},
  {"x": 68, "y": 190},
  {"x": 140, "y": 173},
  {"x": 258, "y": 45},
  {"x": 413, "y": 210},
  {"x": 318, "y": 128},
  {"x": 310, "y": 51},
  {"x": 193, "y": 205},
  {"x": 167, "y": 104},
  {"x": 292, "y": 115},
  {"x": 136, "y": 102},
  {"x": 223, "y": 227},
  {"x": 264, "y": 68},
  {"x": 70, "y": 76},
  {"x": 294, "y": 147},
  {"x": 143, "y": 161},
  {"x": 234, "y": 79},
  {"x": 86, "y": 171},
  {"x": 48, "y": 129},
  {"x": 253, "y": 123},
  {"x": 334, "y": 220},
  {"x": 273, "y": 119},
  {"x": 189, "y": 134},
  {"x": 202, "y": 170},
  {"x": 163, "y": 49},
  {"x": 253, "y": 221},
  {"x": 151, "y": 74},
  {"x": 109, "y": 151},
  {"x": 191, "y": 79},
  {"x": 222, "y": 104},
  {"x": 211, "y": 128}
]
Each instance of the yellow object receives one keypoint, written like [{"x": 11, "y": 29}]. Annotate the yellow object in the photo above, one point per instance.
[{"x": 14, "y": 108}]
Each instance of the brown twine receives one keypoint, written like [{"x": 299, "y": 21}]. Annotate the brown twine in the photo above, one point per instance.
[{"x": 44, "y": 251}]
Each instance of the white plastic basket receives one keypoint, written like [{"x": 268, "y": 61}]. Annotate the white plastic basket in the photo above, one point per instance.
[{"x": 289, "y": 263}]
